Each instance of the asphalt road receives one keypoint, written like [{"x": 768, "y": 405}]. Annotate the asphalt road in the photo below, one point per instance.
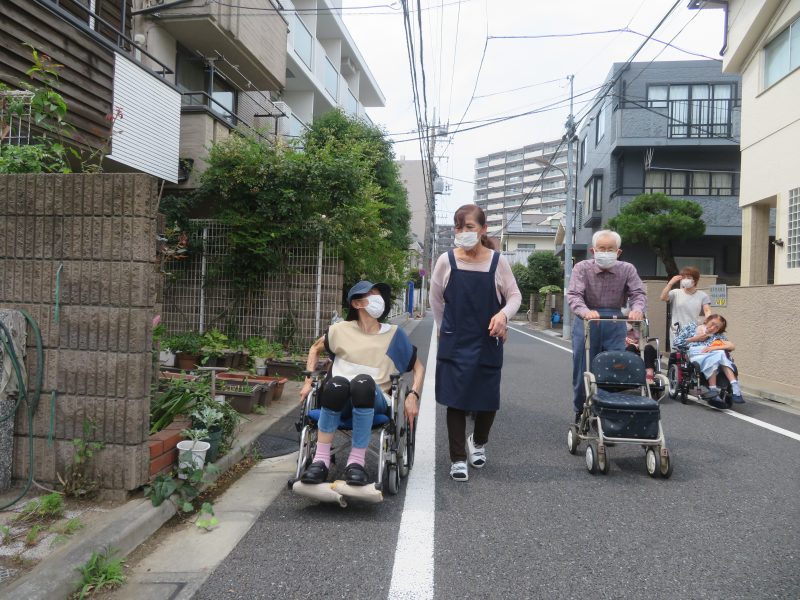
[{"x": 535, "y": 524}]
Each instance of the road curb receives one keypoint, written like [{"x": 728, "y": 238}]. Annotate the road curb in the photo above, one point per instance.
[{"x": 126, "y": 527}]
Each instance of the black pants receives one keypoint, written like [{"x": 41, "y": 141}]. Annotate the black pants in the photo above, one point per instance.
[
  {"x": 457, "y": 431},
  {"x": 649, "y": 355}
]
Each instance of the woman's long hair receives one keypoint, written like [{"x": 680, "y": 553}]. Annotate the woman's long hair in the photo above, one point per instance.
[{"x": 476, "y": 212}]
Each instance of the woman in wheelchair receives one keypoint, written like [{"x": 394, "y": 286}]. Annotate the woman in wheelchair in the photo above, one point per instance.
[
  {"x": 365, "y": 354},
  {"x": 708, "y": 349}
]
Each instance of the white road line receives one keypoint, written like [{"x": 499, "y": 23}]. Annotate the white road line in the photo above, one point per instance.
[
  {"x": 536, "y": 337},
  {"x": 751, "y": 420},
  {"x": 412, "y": 575}
]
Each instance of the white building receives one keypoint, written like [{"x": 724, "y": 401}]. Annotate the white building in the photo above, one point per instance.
[{"x": 324, "y": 68}]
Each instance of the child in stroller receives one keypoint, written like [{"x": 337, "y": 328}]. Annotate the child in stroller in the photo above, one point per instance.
[{"x": 708, "y": 350}]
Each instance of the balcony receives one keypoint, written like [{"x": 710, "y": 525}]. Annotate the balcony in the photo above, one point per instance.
[{"x": 253, "y": 40}]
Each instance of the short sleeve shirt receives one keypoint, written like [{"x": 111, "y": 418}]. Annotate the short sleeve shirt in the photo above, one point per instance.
[{"x": 687, "y": 307}]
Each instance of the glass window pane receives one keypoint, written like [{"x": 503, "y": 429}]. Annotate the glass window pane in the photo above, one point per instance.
[
  {"x": 700, "y": 92},
  {"x": 654, "y": 181},
  {"x": 331, "y": 79},
  {"x": 722, "y": 184},
  {"x": 679, "y": 92},
  {"x": 776, "y": 59},
  {"x": 677, "y": 182},
  {"x": 657, "y": 96},
  {"x": 794, "y": 55},
  {"x": 301, "y": 38},
  {"x": 700, "y": 183}
]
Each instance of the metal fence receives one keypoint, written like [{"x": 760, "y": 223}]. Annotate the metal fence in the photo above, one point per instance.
[{"x": 294, "y": 307}]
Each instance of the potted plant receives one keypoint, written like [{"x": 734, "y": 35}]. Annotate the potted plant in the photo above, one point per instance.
[
  {"x": 209, "y": 418},
  {"x": 186, "y": 347},
  {"x": 192, "y": 452},
  {"x": 243, "y": 397},
  {"x": 214, "y": 348},
  {"x": 179, "y": 397},
  {"x": 260, "y": 351}
]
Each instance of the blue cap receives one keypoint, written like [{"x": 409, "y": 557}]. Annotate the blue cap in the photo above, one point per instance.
[{"x": 361, "y": 289}]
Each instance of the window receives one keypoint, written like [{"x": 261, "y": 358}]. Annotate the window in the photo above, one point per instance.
[
  {"x": 331, "y": 79},
  {"x": 593, "y": 195},
  {"x": 695, "y": 111},
  {"x": 202, "y": 85},
  {"x": 782, "y": 55},
  {"x": 601, "y": 124},
  {"x": 350, "y": 103},
  {"x": 695, "y": 183},
  {"x": 793, "y": 237},
  {"x": 582, "y": 153},
  {"x": 483, "y": 162},
  {"x": 514, "y": 156},
  {"x": 526, "y": 246},
  {"x": 704, "y": 263}
]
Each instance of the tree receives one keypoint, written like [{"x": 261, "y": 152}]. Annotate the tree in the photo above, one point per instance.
[
  {"x": 544, "y": 268},
  {"x": 522, "y": 275},
  {"x": 656, "y": 220}
]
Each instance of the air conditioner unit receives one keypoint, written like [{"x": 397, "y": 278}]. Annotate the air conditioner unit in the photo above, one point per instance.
[{"x": 284, "y": 122}]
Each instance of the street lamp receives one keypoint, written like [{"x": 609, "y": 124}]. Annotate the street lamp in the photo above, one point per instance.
[{"x": 566, "y": 331}]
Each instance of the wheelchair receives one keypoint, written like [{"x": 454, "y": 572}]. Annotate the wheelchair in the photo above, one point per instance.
[
  {"x": 619, "y": 409},
  {"x": 685, "y": 378},
  {"x": 395, "y": 446}
]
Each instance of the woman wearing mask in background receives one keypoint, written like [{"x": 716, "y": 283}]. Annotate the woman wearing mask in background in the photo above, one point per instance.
[
  {"x": 473, "y": 296},
  {"x": 687, "y": 302}
]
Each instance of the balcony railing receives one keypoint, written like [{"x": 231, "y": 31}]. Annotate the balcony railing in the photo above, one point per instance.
[
  {"x": 676, "y": 192},
  {"x": 303, "y": 42},
  {"x": 249, "y": 110}
]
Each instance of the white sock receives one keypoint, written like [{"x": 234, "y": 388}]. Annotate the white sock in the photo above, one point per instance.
[{"x": 737, "y": 391}]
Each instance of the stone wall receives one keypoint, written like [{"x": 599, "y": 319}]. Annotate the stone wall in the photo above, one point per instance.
[{"x": 77, "y": 252}]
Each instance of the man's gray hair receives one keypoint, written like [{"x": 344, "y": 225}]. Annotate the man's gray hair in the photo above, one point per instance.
[{"x": 606, "y": 233}]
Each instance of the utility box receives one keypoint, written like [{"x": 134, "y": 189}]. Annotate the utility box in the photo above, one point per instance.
[{"x": 14, "y": 323}]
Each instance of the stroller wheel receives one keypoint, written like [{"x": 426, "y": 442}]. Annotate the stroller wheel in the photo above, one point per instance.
[
  {"x": 603, "y": 463},
  {"x": 666, "y": 464},
  {"x": 572, "y": 439},
  {"x": 652, "y": 462},
  {"x": 591, "y": 458}
]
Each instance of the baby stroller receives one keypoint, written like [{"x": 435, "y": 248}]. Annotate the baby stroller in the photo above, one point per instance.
[
  {"x": 619, "y": 410},
  {"x": 684, "y": 379}
]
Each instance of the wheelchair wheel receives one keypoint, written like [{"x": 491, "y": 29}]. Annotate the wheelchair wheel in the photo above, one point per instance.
[
  {"x": 573, "y": 441},
  {"x": 411, "y": 442},
  {"x": 591, "y": 458},
  {"x": 391, "y": 478},
  {"x": 652, "y": 462},
  {"x": 308, "y": 446},
  {"x": 674, "y": 381}
]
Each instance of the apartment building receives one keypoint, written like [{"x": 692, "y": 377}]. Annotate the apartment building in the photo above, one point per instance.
[
  {"x": 263, "y": 68},
  {"x": 671, "y": 127},
  {"x": 762, "y": 43},
  {"x": 520, "y": 190},
  {"x": 103, "y": 77}
]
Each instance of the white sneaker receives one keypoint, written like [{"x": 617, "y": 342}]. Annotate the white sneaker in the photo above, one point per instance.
[
  {"x": 458, "y": 471},
  {"x": 477, "y": 454}
]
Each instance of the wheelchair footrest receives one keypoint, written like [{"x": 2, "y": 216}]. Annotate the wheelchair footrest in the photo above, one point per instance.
[
  {"x": 323, "y": 492},
  {"x": 365, "y": 493}
]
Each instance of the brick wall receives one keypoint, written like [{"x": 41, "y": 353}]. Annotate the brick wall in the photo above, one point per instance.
[{"x": 100, "y": 229}]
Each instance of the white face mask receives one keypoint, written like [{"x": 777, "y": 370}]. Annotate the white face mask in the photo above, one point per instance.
[
  {"x": 605, "y": 260},
  {"x": 466, "y": 239},
  {"x": 375, "y": 306},
  {"x": 687, "y": 283}
]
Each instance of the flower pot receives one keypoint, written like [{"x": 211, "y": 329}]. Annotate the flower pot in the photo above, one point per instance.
[
  {"x": 259, "y": 361},
  {"x": 239, "y": 360},
  {"x": 214, "y": 437},
  {"x": 242, "y": 402},
  {"x": 186, "y": 362},
  {"x": 267, "y": 393},
  {"x": 240, "y": 378},
  {"x": 191, "y": 455},
  {"x": 280, "y": 368},
  {"x": 166, "y": 358},
  {"x": 261, "y": 370}
]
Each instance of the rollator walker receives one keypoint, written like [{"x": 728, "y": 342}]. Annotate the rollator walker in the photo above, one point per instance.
[
  {"x": 395, "y": 447},
  {"x": 619, "y": 408}
]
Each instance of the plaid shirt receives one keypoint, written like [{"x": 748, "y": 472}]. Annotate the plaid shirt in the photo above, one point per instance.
[{"x": 591, "y": 288}]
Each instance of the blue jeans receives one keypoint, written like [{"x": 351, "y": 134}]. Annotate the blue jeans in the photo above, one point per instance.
[
  {"x": 362, "y": 419},
  {"x": 604, "y": 336}
]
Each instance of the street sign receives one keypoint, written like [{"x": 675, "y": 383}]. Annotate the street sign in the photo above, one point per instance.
[
  {"x": 422, "y": 272},
  {"x": 719, "y": 295}
]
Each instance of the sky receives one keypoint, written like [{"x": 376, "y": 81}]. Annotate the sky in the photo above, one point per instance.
[{"x": 517, "y": 75}]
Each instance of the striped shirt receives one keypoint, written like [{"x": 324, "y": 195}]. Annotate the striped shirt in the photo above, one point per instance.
[{"x": 591, "y": 288}]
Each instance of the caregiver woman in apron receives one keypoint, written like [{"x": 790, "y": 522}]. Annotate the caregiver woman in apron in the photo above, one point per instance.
[{"x": 473, "y": 296}]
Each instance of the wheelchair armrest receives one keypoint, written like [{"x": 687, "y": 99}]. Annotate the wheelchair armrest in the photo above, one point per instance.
[{"x": 313, "y": 374}]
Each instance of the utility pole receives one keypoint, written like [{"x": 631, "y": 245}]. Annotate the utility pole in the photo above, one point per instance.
[{"x": 566, "y": 330}]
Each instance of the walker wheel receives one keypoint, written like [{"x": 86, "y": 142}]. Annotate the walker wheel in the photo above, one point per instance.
[
  {"x": 591, "y": 458},
  {"x": 652, "y": 462},
  {"x": 573, "y": 441},
  {"x": 666, "y": 463},
  {"x": 602, "y": 460}
]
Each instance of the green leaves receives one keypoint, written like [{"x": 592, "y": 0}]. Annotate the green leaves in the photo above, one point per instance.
[{"x": 655, "y": 220}]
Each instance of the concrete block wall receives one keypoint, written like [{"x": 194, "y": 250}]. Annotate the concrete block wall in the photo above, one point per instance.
[{"x": 83, "y": 246}]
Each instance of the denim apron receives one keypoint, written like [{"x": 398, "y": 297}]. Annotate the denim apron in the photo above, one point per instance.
[{"x": 468, "y": 360}]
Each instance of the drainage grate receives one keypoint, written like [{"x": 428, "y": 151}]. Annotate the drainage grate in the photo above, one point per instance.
[{"x": 7, "y": 573}]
